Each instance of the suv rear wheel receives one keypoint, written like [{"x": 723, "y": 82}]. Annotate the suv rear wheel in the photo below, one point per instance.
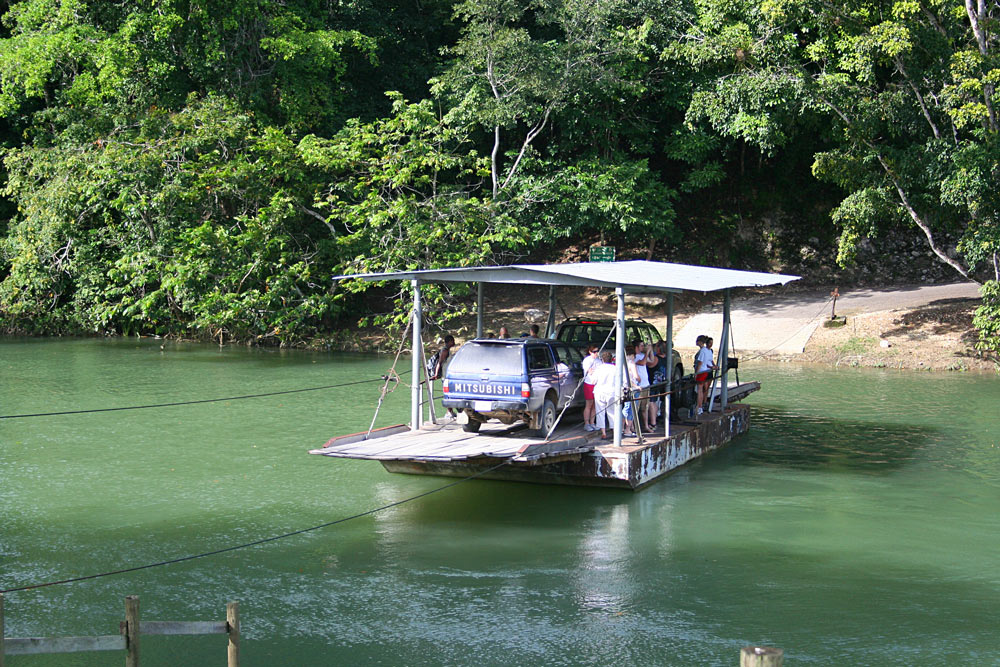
[
  {"x": 546, "y": 418},
  {"x": 473, "y": 423}
]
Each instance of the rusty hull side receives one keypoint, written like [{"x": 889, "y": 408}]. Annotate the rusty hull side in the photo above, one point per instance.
[
  {"x": 621, "y": 469},
  {"x": 652, "y": 463}
]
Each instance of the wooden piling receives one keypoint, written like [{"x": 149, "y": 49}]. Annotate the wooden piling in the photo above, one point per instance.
[
  {"x": 761, "y": 656},
  {"x": 233, "y": 623},
  {"x": 1, "y": 630},
  {"x": 132, "y": 631}
]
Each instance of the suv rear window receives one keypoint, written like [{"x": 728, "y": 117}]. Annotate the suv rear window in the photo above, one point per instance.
[
  {"x": 497, "y": 358},
  {"x": 539, "y": 358},
  {"x": 580, "y": 334},
  {"x": 567, "y": 354}
]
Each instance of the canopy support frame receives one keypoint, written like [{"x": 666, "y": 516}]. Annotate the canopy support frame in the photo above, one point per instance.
[
  {"x": 619, "y": 364},
  {"x": 479, "y": 309},
  {"x": 418, "y": 317}
]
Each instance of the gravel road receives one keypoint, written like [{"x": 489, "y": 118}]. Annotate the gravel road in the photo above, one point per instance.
[{"x": 783, "y": 322}]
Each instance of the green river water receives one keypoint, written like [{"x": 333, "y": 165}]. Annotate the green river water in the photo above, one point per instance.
[{"x": 857, "y": 523}]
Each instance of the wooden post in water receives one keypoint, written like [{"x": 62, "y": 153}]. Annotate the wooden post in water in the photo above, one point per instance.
[
  {"x": 233, "y": 624},
  {"x": 132, "y": 630},
  {"x": 761, "y": 656},
  {"x": 1, "y": 630}
]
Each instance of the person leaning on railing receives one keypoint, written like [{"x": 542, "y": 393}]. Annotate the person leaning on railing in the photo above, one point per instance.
[{"x": 658, "y": 385}]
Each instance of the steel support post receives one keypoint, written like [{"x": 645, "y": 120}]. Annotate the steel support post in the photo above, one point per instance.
[
  {"x": 619, "y": 364},
  {"x": 550, "y": 327},
  {"x": 724, "y": 351},
  {"x": 479, "y": 309},
  {"x": 418, "y": 318},
  {"x": 670, "y": 364}
]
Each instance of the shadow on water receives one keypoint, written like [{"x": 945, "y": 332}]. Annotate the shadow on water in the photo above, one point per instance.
[
  {"x": 783, "y": 438},
  {"x": 479, "y": 502}
]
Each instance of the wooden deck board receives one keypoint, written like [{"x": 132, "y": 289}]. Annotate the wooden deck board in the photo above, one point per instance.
[
  {"x": 407, "y": 440},
  {"x": 446, "y": 442}
]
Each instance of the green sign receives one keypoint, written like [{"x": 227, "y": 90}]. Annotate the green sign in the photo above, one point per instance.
[{"x": 602, "y": 253}]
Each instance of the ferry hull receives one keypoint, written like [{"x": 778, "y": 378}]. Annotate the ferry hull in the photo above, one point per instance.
[{"x": 626, "y": 467}]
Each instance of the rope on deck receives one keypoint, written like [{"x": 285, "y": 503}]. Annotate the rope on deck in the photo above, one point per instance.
[
  {"x": 274, "y": 538},
  {"x": 204, "y": 400}
]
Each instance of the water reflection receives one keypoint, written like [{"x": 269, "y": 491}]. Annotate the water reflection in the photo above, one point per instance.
[{"x": 785, "y": 438}]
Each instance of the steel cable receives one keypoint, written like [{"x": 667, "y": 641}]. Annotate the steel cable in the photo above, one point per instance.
[
  {"x": 254, "y": 543},
  {"x": 204, "y": 400}
]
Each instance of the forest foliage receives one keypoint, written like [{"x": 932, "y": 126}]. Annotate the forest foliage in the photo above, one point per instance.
[{"x": 204, "y": 169}]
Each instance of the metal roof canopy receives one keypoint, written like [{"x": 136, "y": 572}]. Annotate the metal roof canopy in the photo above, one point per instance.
[{"x": 633, "y": 276}]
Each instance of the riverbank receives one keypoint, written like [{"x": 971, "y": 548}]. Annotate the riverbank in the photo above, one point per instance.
[
  {"x": 925, "y": 332},
  {"x": 935, "y": 336}
]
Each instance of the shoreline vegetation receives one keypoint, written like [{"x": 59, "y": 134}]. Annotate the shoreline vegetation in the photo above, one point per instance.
[
  {"x": 937, "y": 336},
  {"x": 176, "y": 171}
]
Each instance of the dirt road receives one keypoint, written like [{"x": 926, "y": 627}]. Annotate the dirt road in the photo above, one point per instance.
[{"x": 784, "y": 322}]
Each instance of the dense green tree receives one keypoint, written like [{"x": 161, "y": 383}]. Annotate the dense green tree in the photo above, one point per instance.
[
  {"x": 201, "y": 168},
  {"x": 527, "y": 75},
  {"x": 196, "y": 222},
  {"x": 159, "y": 188},
  {"x": 910, "y": 89}
]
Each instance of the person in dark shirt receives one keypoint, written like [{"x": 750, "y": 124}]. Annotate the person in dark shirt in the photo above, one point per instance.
[
  {"x": 658, "y": 378},
  {"x": 443, "y": 355}
]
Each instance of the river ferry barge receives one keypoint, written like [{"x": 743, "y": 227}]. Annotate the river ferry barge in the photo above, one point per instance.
[{"x": 569, "y": 454}]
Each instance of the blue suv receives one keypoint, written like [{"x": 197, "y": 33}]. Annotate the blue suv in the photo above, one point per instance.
[{"x": 517, "y": 379}]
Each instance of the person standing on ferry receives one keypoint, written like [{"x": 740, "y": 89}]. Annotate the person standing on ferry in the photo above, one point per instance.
[
  {"x": 658, "y": 381},
  {"x": 632, "y": 391},
  {"x": 443, "y": 355},
  {"x": 590, "y": 364},
  {"x": 709, "y": 342},
  {"x": 604, "y": 392},
  {"x": 644, "y": 360},
  {"x": 702, "y": 371}
]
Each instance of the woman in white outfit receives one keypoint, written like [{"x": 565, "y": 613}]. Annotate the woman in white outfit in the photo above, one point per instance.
[{"x": 604, "y": 391}]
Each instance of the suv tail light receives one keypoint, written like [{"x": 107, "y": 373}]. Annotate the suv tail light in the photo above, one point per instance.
[
  {"x": 525, "y": 390},
  {"x": 444, "y": 386}
]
